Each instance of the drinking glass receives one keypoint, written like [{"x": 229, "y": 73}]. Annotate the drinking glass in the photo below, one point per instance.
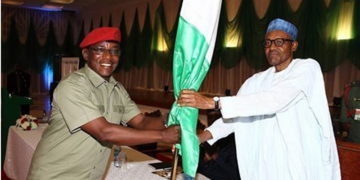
[{"x": 120, "y": 161}]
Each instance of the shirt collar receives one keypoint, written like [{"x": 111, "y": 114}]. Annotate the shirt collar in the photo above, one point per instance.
[{"x": 97, "y": 80}]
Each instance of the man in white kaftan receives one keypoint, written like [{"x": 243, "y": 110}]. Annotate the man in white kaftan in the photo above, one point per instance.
[{"x": 280, "y": 116}]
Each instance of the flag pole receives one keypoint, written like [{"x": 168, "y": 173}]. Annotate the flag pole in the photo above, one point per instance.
[{"x": 174, "y": 165}]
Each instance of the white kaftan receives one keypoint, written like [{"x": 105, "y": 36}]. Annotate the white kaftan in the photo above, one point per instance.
[{"x": 282, "y": 125}]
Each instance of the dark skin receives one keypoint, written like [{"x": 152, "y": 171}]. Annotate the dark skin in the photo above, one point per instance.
[
  {"x": 279, "y": 57},
  {"x": 145, "y": 129}
]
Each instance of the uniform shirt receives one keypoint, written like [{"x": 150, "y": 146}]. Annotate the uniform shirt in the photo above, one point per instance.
[
  {"x": 67, "y": 152},
  {"x": 353, "y": 97},
  {"x": 282, "y": 125}
]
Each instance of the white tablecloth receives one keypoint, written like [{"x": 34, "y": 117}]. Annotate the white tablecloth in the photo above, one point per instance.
[
  {"x": 19, "y": 151},
  {"x": 21, "y": 146},
  {"x": 138, "y": 168}
]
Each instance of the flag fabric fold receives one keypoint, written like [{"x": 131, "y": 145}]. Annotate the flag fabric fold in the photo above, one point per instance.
[{"x": 194, "y": 45}]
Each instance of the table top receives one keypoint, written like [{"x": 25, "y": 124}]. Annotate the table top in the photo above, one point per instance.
[
  {"x": 22, "y": 144},
  {"x": 19, "y": 151}
]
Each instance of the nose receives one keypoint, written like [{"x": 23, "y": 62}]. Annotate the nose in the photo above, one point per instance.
[
  {"x": 272, "y": 45},
  {"x": 107, "y": 54}
]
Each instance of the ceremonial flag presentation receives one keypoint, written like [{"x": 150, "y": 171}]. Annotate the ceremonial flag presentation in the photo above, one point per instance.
[{"x": 193, "y": 51}]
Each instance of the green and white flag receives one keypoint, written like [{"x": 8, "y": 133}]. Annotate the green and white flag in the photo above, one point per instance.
[{"x": 194, "y": 45}]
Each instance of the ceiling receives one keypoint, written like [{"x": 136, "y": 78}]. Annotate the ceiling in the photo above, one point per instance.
[{"x": 76, "y": 5}]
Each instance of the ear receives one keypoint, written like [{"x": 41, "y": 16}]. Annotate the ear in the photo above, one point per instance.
[
  {"x": 85, "y": 53},
  {"x": 294, "y": 46}
]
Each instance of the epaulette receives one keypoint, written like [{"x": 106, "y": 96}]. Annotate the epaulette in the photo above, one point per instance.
[
  {"x": 353, "y": 84},
  {"x": 349, "y": 111}
]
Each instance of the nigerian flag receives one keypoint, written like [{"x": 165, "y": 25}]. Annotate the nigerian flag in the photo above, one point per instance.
[{"x": 193, "y": 51}]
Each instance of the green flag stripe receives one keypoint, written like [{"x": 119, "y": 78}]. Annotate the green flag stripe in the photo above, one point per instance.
[
  {"x": 189, "y": 57},
  {"x": 190, "y": 69}
]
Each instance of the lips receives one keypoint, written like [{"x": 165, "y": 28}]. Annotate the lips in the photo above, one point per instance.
[{"x": 273, "y": 53}]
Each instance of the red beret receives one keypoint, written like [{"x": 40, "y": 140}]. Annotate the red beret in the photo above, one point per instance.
[{"x": 101, "y": 34}]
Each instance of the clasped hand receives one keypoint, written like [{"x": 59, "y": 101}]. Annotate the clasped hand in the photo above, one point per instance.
[
  {"x": 194, "y": 99},
  {"x": 172, "y": 134}
]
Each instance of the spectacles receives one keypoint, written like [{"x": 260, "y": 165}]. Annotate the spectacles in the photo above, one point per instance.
[
  {"x": 278, "y": 42},
  {"x": 101, "y": 51}
]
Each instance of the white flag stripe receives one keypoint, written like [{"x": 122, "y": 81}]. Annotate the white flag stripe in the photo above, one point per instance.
[
  {"x": 203, "y": 19},
  {"x": 210, "y": 52}
]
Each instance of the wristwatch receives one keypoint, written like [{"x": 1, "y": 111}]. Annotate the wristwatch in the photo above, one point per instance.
[{"x": 216, "y": 100}]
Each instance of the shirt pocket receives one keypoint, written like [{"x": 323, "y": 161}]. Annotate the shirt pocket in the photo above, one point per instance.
[
  {"x": 118, "y": 114},
  {"x": 101, "y": 109}
]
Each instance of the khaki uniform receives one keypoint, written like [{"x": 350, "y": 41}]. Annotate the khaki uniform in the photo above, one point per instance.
[
  {"x": 350, "y": 110},
  {"x": 67, "y": 152}
]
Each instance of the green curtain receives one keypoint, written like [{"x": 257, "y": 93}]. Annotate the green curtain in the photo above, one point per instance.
[
  {"x": 10, "y": 48},
  {"x": 128, "y": 43},
  {"x": 77, "y": 48},
  {"x": 14, "y": 51},
  {"x": 32, "y": 49},
  {"x": 144, "y": 57},
  {"x": 220, "y": 36},
  {"x": 50, "y": 48},
  {"x": 91, "y": 25},
  {"x": 68, "y": 48},
  {"x": 135, "y": 39},
  {"x": 230, "y": 53},
  {"x": 163, "y": 41},
  {"x": 110, "y": 21},
  {"x": 123, "y": 43},
  {"x": 311, "y": 22},
  {"x": 354, "y": 44},
  {"x": 335, "y": 50},
  {"x": 4, "y": 56},
  {"x": 318, "y": 27},
  {"x": 101, "y": 22},
  {"x": 254, "y": 33}
]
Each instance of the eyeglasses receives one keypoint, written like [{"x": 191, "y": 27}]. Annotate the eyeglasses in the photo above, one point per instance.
[
  {"x": 101, "y": 51},
  {"x": 278, "y": 42}
]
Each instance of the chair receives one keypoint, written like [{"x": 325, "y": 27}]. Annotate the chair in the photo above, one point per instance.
[
  {"x": 212, "y": 116},
  {"x": 10, "y": 112},
  {"x": 349, "y": 156}
]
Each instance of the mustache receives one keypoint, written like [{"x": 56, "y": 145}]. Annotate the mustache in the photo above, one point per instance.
[{"x": 274, "y": 51}]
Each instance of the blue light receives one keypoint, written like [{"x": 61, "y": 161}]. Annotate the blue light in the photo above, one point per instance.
[{"x": 48, "y": 74}]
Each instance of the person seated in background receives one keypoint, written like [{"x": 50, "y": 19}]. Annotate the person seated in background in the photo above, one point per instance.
[
  {"x": 350, "y": 111},
  {"x": 218, "y": 162},
  {"x": 18, "y": 83},
  {"x": 90, "y": 112}
]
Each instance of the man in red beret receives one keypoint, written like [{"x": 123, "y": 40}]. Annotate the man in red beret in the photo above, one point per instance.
[{"x": 87, "y": 109}]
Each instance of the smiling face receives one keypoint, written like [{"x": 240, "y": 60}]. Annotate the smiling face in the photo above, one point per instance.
[
  {"x": 280, "y": 57},
  {"x": 103, "y": 63}
]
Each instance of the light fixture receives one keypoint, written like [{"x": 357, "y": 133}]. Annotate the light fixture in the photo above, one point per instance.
[
  {"x": 52, "y": 7},
  {"x": 345, "y": 21},
  {"x": 162, "y": 47},
  {"x": 62, "y": 1},
  {"x": 11, "y": 2},
  {"x": 232, "y": 39}
]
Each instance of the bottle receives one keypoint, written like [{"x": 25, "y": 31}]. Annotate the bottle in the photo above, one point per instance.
[{"x": 117, "y": 150}]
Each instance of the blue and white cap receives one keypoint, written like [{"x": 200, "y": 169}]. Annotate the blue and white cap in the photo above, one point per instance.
[{"x": 280, "y": 24}]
